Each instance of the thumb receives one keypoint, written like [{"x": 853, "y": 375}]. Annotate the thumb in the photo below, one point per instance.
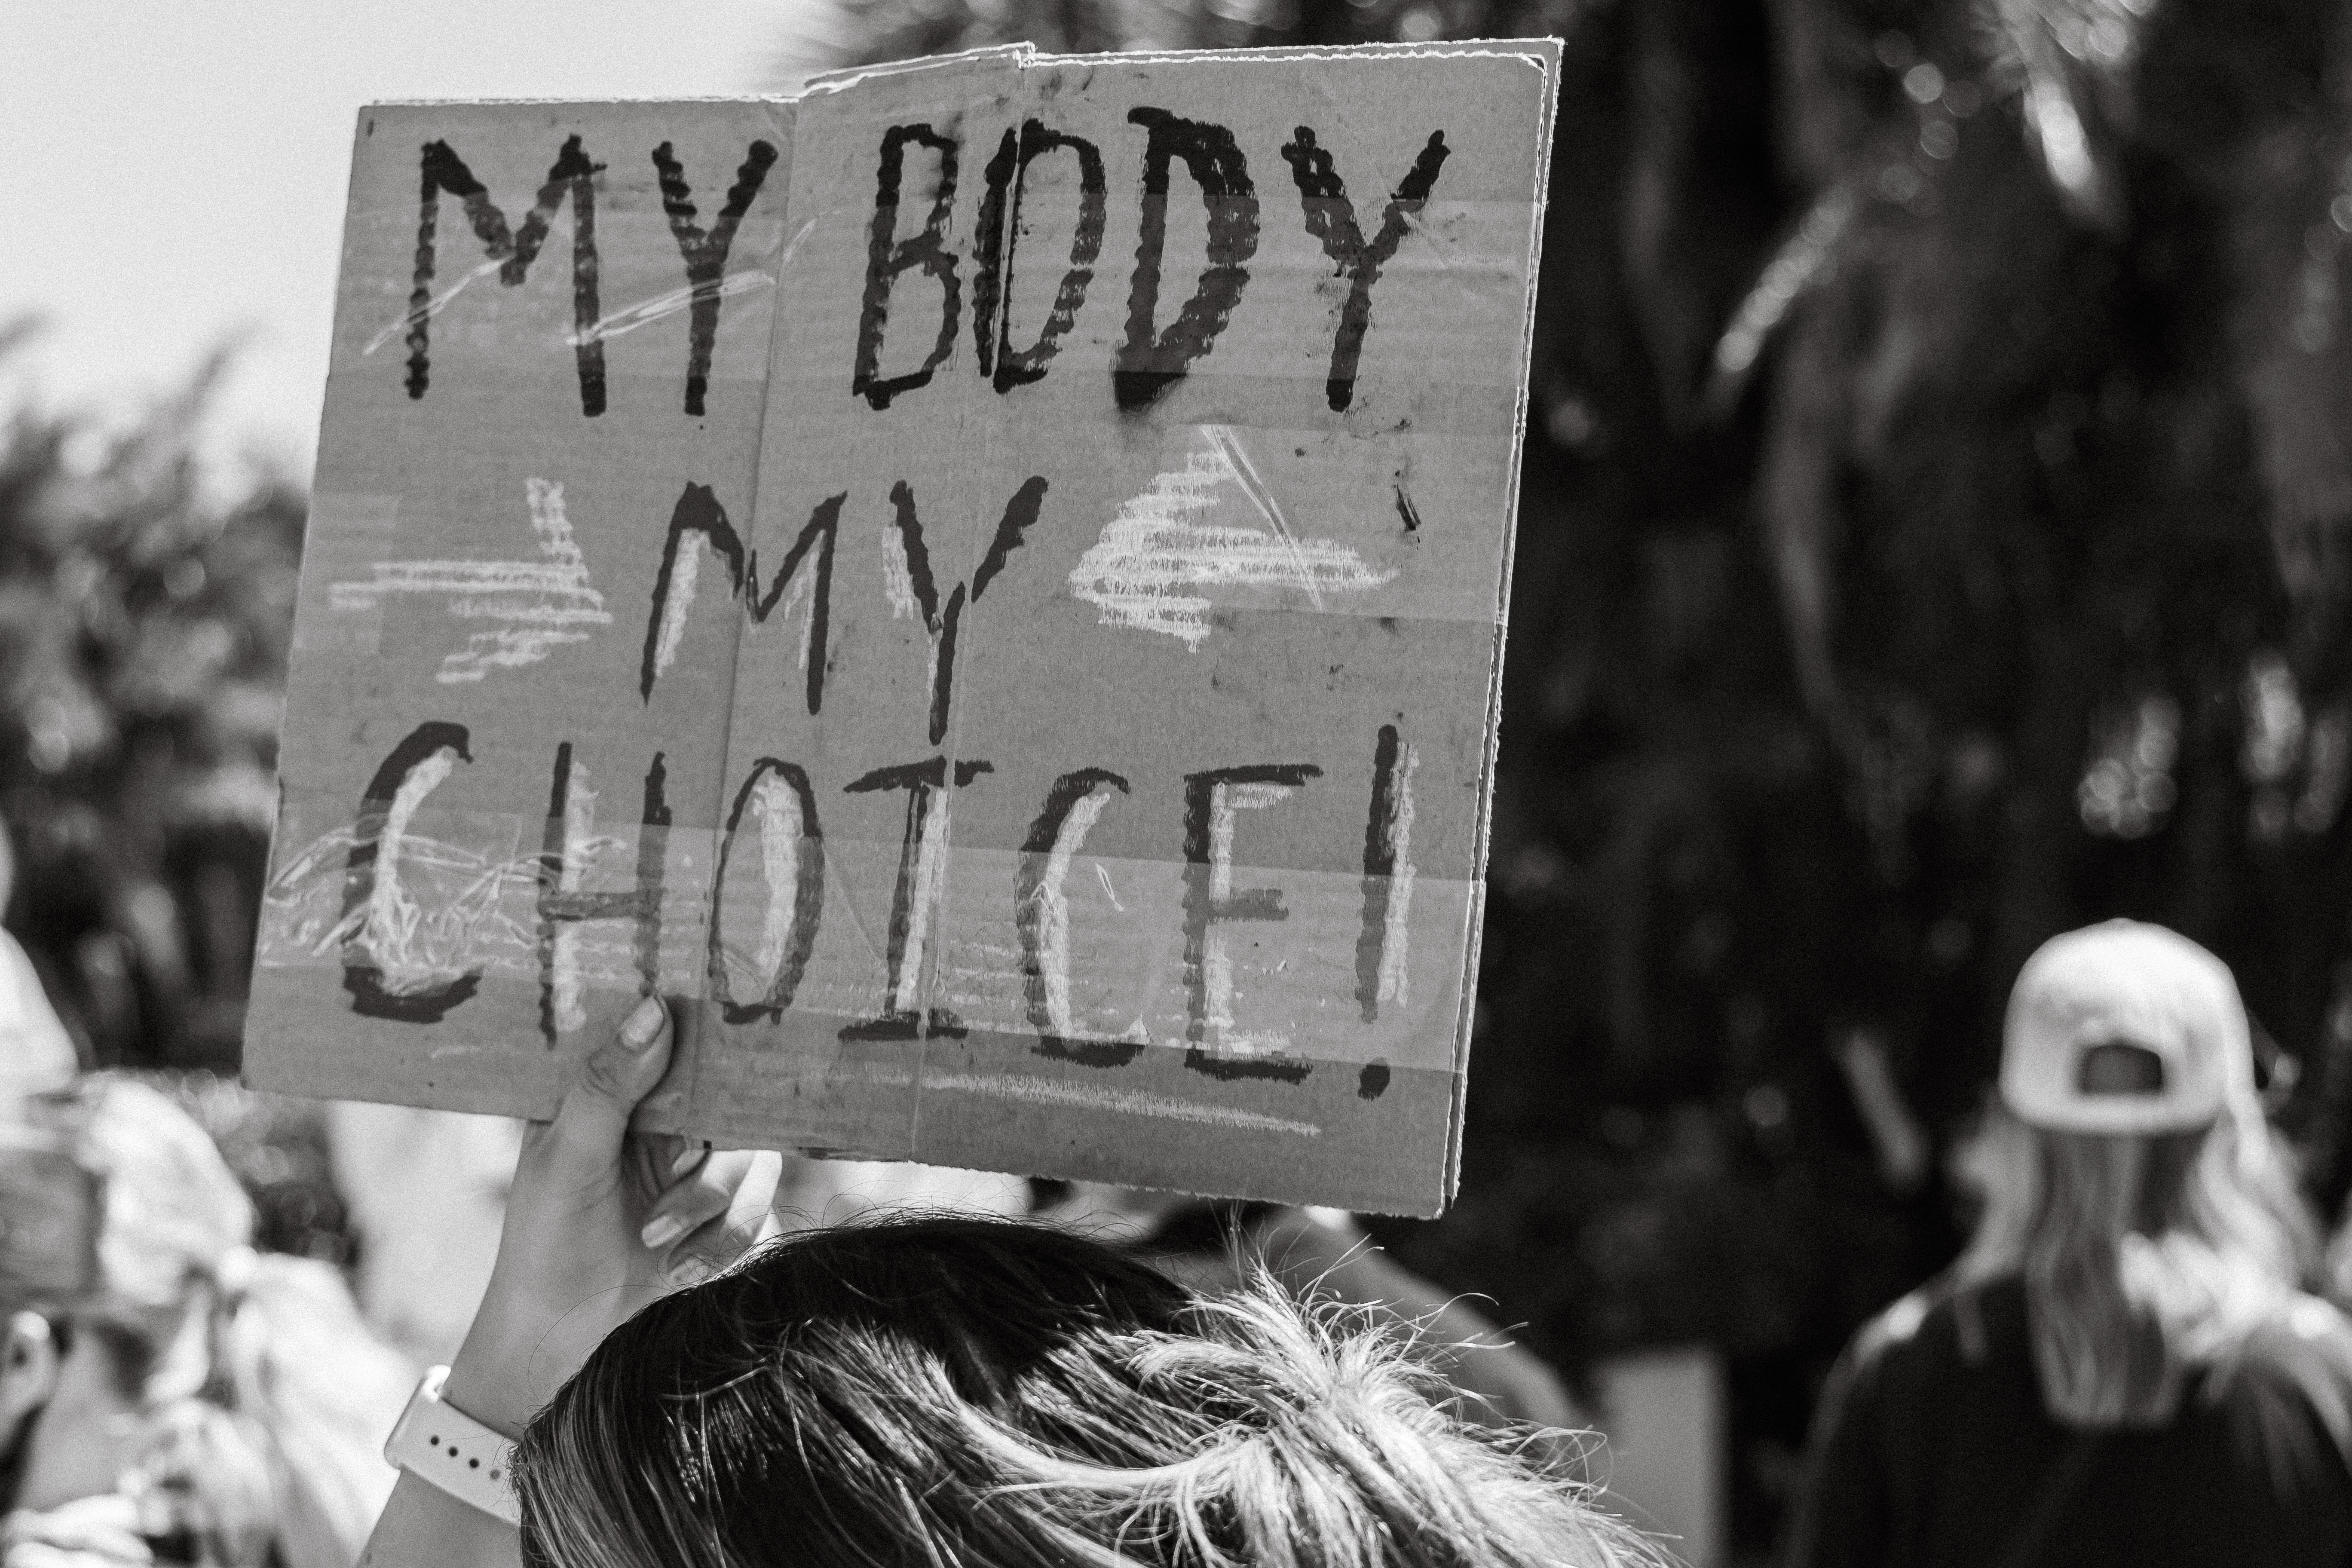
[{"x": 594, "y": 1116}]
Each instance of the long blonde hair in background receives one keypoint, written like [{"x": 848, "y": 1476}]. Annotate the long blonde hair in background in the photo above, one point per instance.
[{"x": 2158, "y": 1265}]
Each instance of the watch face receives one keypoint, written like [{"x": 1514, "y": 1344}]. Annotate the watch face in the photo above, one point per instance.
[{"x": 49, "y": 1209}]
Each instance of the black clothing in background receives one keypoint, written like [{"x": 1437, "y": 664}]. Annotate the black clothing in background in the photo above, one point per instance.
[{"x": 1932, "y": 1449}]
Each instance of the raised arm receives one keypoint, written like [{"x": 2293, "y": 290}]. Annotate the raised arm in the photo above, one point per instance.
[{"x": 600, "y": 1223}]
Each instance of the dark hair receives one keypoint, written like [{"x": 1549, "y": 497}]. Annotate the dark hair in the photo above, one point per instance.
[{"x": 994, "y": 1395}]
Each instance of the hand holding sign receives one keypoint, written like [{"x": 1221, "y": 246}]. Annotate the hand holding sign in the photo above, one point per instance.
[{"x": 599, "y": 1223}]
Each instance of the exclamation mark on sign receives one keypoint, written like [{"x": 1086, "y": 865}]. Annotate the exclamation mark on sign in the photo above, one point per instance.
[{"x": 1380, "y": 956}]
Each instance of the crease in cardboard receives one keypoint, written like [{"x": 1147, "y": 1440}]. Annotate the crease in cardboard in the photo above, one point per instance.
[{"x": 695, "y": 1042}]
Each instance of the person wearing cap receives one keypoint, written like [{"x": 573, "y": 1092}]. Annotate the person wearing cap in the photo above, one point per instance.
[{"x": 2123, "y": 1367}]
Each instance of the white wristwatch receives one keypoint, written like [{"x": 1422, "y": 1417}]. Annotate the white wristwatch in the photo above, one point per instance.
[{"x": 444, "y": 1446}]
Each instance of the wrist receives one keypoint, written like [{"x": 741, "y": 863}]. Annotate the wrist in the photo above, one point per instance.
[
  {"x": 515, "y": 1357},
  {"x": 485, "y": 1383},
  {"x": 439, "y": 1444}
]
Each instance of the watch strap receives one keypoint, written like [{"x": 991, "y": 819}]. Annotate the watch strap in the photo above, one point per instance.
[{"x": 441, "y": 1445}]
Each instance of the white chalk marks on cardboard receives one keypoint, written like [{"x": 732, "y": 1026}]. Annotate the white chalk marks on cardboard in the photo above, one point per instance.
[
  {"x": 1161, "y": 559},
  {"x": 537, "y": 605}
]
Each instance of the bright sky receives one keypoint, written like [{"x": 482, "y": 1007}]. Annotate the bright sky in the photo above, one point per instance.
[{"x": 175, "y": 169}]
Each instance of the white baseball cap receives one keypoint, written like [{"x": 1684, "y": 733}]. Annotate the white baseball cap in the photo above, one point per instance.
[{"x": 2125, "y": 1028}]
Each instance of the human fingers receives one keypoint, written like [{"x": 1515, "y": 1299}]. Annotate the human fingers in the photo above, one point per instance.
[
  {"x": 588, "y": 1130},
  {"x": 741, "y": 1225},
  {"x": 664, "y": 1158},
  {"x": 698, "y": 1186}
]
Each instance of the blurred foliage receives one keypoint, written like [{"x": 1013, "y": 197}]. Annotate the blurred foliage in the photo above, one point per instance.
[
  {"x": 144, "y": 622},
  {"x": 1936, "y": 533}
]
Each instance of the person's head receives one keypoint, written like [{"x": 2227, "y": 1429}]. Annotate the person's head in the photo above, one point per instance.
[
  {"x": 2153, "y": 1218},
  {"x": 150, "y": 1351},
  {"x": 995, "y": 1394}
]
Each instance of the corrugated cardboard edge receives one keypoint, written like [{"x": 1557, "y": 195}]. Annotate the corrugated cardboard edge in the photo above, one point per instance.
[
  {"x": 1020, "y": 55},
  {"x": 1546, "y": 52},
  {"x": 568, "y": 101}
]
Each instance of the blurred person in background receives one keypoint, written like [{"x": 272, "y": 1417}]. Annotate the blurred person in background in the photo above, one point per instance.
[
  {"x": 426, "y": 1191},
  {"x": 166, "y": 1393},
  {"x": 35, "y": 1053},
  {"x": 2123, "y": 1367}
]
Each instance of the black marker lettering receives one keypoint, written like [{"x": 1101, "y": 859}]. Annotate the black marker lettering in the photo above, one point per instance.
[
  {"x": 517, "y": 248},
  {"x": 1332, "y": 219},
  {"x": 699, "y": 522},
  {"x": 990, "y": 264},
  {"x": 1388, "y": 877},
  {"x": 886, "y": 257},
  {"x": 1042, "y": 913},
  {"x": 1147, "y": 365},
  {"x": 792, "y": 864},
  {"x": 941, "y": 619},
  {"x": 922, "y": 864},
  {"x": 706, "y": 254},
  {"x": 562, "y": 906},
  {"x": 1212, "y": 800},
  {"x": 999, "y": 228},
  {"x": 412, "y": 770}
]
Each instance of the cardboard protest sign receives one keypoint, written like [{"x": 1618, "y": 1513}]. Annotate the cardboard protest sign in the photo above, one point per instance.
[{"x": 984, "y": 584}]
